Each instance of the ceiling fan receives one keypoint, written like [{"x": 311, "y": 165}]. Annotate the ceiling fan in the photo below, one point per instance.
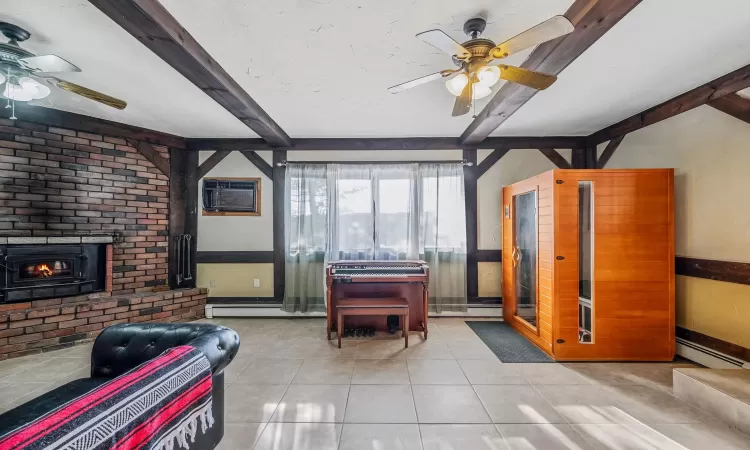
[
  {"x": 476, "y": 73},
  {"x": 28, "y": 77}
]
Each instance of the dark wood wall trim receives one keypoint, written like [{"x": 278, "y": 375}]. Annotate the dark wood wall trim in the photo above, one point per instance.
[
  {"x": 211, "y": 162},
  {"x": 258, "y": 162},
  {"x": 470, "y": 194},
  {"x": 279, "y": 233},
  {"x": 733, "y": 350},
  {"x": 148, "y": 152},
  {"x": 177, "y": 192},
  {"x": 609, "y": 150},
  {"x": 370, "y": 144},
  {"x": 160, "y": 32},
  {"x": 556, "y": 158},
  {"x": 191, "y": 211},
  {"x": 728, "y": 84},
  {"x": 490, "y": 160},
  {"x": 592, "y": 19},
  {"x": 63, "y": 119},
  {"x": 241, "y": 257},
  {"x": 489, "y": 255},
  {"x": 729, "y": 271}
]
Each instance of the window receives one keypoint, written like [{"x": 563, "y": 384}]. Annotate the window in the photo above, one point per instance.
[{"x": 231, "y": 196}]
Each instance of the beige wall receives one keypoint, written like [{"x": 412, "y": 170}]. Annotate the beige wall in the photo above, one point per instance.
[
  {"x": 710, "y": 152},
  {"x": 237, "y": 233},
  {"x": 236, "y": 280}
]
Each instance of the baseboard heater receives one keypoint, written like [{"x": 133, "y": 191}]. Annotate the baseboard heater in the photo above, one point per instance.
[{"x": 708, "y": 357}]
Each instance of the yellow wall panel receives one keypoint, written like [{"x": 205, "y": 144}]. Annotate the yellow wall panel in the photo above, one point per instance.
[
  {"x": 490, "y": 279},
  {"x": 714, "y": 308},
  {"x": 236, "y": 280}
]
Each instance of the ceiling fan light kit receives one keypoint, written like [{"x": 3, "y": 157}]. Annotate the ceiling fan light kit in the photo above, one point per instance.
[
  {"x": 25, "y": 77},
  {"x": 475, "y": 59}
]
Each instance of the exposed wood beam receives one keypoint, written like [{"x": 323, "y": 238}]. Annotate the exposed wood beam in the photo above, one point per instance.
[
  {"x": 728, "y": 84},
  {"x": 154, "y": 157},
  {"x": 258, "y": 162},
  {"x": 370, "y": 144},
  {"x": 733, "y": 104},
  {"x": 79, "y": 122},
  {"x": 472, "y": 227},
  {"x": 149, "y": 22},
  {"x": 177, "y": 208},
  {"x": 556, "y": 158},
  {"x": 591, "y": 18},
  {"x": 490, "y": 161},
  {"x": 211, "y": 162},
  {"x": 279, "y": 251},
  {"x": 609, "y": 150}
]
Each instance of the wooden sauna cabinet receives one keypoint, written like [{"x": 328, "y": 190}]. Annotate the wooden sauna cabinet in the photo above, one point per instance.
[{"x": 588, "y": 263}]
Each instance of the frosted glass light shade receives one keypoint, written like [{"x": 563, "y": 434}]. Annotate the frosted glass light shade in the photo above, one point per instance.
[
  {"x": 489, "y": 75},
  {"x": 457, "y": 84},
  {"x": 26, "y": 90},
  {"x": 480, "y": 90}
]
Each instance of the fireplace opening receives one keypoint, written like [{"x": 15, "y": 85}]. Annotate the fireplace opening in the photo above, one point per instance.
[
  {"x": 47, "y": 269},
  {"x": 32, "y": 272}
]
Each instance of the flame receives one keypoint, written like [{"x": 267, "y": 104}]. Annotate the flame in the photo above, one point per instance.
[{"x": 44, "y": 270}]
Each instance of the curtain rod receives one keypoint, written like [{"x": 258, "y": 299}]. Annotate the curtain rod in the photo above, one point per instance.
[{"x": 464, "y": 162}]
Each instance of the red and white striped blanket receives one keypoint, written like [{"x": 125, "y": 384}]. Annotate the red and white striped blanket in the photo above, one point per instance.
[{"x": 157, "y": 404}]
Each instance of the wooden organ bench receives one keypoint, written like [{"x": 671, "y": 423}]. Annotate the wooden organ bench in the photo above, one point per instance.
[
  {"x": 368, "y": 291},
  {"x": 374, "y": 307}
]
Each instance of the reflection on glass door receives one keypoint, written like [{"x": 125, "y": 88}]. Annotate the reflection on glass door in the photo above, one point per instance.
[{"x": 525, "y": 255}]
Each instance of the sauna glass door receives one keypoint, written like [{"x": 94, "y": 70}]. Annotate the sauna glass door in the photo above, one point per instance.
[{"x": 525, "y": 255}]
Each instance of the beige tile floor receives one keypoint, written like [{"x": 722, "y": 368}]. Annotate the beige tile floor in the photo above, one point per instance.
[{"x": 289, "y": 388}]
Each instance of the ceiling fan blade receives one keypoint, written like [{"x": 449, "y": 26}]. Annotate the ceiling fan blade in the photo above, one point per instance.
[
  {"x": 416, "y": 82},
  {"x": 443, "y": 42},
  {"x": 463, "y": 101},
  {"x": 546, "y": 31},
  {"x": 536, "y": 80},
  {"x": 88, "y": 93},
  {"x": 47, "y": 63}
]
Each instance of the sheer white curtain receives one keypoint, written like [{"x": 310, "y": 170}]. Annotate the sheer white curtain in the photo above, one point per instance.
[
  {"x": 306, "y": 223},
  {"x": 383, "y": 211},
  {"x": 442, "y": 233}
]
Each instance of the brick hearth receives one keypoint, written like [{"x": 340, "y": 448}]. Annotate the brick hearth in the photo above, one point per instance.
[
  {"x": 61, "y": 182},
  {"x": 44, "y": 325},
  {"x": 62, "y": 185}
]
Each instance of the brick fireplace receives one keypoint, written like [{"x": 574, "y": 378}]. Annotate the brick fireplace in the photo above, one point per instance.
[{"x": 66, "y": 187}]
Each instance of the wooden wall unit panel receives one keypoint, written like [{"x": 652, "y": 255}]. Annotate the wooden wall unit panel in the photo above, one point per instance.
[{"x": 633, "y": 264}]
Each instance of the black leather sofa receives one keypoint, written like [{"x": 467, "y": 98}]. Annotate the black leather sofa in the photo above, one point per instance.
[{"x": 122, "y": 347}]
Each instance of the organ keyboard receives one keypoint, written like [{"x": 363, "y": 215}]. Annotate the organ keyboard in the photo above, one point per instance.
[{"x": 375, "y": 280}]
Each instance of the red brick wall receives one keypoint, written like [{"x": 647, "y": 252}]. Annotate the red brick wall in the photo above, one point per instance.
[
  {"x": 60, "y": 182},
  {"x": 44, "y": 325}
]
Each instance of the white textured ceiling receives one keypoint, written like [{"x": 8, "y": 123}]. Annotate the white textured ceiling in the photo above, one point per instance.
[
  {"x": 661, "y": 49},
  {"x": 320, "y": 68},
  {"x": 115, "y": 63}
]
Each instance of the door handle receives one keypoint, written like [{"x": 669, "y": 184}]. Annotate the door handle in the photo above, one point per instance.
[{"x": 513, "y": 255}]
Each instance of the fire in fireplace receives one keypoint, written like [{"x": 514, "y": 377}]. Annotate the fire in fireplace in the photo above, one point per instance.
[
  {"x": 29, "y": 272},
  {"x": 46, "y": 269}
]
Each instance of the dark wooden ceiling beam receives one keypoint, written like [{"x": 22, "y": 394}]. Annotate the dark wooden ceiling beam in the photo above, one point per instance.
[
  {"x": 149, "y": 22},
  {"x": 713, "y": 90},
  {"x": 609, "y": 150},
  {"x": 79, "y": 122},
  {"x": 258, "y": 162},
  {"x": 556, "y": 158},
  {"x": 735, "y": 105},
  {"x": 150, "y": 153},
  {"x": 591, "y": 18},
  {"x": 490, "y": 160},
  {"x": 372, "y": 144},
  {"x": 211, "y": 162}
]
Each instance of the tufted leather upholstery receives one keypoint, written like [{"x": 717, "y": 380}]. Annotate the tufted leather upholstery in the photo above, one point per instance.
[{"x": 122, "y": 347}]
